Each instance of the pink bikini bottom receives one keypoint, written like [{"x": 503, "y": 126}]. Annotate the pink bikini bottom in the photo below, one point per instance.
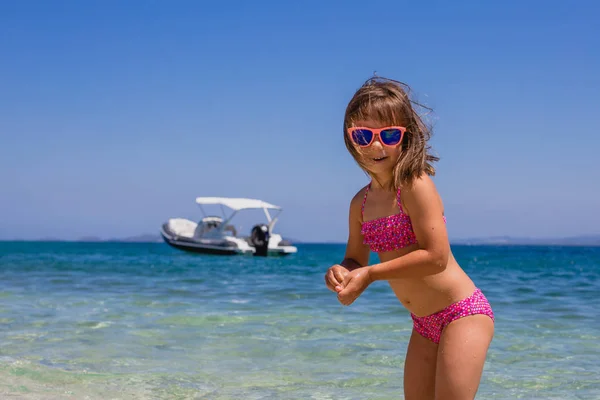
[{"x": 431, "y": 326}]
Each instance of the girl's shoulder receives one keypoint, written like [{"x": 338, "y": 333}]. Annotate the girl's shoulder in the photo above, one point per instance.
[
  {"x": 360, "y": 195},
  {"x": 357, "y": 200},
  {"x": 421, "y": 191},
  {"x": 423, "y": 183}
]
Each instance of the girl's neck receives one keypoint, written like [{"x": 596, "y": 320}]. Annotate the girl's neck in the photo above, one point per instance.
[{"x": 382, "y": 182}]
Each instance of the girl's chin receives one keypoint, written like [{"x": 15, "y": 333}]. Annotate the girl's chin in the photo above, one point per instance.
[{"x": 380, "y": 168}]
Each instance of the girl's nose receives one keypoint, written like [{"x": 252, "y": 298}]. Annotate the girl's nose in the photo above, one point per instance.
[{"x": 377, "y": 143}]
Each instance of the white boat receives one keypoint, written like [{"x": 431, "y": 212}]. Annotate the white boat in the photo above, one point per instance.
[{"x": 215, "y": 235}]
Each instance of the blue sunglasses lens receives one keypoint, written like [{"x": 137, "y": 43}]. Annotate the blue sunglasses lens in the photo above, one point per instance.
[
  {"x": 362, "y": 137},
  {"x": 391, "y": 136}
]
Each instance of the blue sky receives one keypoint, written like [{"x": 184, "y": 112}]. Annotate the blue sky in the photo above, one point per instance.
[{"x": 114, "y": 116}]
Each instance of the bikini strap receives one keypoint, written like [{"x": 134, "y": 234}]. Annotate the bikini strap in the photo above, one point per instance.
[
  {"x": 399, "y": 201},
  {"x": 362, "y": 208}
]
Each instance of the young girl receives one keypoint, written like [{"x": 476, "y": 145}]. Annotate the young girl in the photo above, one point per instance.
[{"x": 400, "y": 215}]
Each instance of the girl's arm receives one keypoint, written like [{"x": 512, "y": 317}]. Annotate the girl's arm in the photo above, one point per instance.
[
  {"x": 357, "y": 253},
  {"x": 425, "y": 209}
]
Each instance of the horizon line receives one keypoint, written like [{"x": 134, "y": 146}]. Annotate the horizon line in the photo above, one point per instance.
[{"x": 580, "y": 240}]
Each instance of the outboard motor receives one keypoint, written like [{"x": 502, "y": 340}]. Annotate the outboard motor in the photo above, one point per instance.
[{"x": 259, "y": 238}]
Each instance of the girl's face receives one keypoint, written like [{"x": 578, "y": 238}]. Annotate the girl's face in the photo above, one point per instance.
[{"x": 379, "y": 149}]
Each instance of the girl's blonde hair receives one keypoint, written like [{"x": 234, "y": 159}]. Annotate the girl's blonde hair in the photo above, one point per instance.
[{"x": 387, "y": 101}]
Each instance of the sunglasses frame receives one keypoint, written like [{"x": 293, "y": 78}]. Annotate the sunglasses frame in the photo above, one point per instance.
[{"x": 376, "y": 132}]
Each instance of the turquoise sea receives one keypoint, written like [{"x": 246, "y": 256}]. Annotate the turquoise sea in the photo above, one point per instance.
[{"x": 144, "y": 321}]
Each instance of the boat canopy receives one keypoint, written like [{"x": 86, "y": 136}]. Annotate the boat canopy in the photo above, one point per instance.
[{"x": 237, "y": 203}]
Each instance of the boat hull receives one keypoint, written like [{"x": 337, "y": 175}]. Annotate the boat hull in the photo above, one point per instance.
[
  {"x": 199, "y": 248},
  {"x": 196, "y": 247}
]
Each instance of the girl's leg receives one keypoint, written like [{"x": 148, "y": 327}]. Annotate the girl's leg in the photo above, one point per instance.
[
  {"x": 419, "y": 368},
  {"x": 461, "y": 356}
]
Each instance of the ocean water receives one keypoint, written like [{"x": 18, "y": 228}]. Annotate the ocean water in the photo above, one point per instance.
[{"x": 144, "y": 321}]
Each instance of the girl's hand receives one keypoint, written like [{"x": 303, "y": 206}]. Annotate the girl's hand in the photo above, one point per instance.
[
  {"x": 335, "y": 276},
  {"x": 353, "y": 285}
]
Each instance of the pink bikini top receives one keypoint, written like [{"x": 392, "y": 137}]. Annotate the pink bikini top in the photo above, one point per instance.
[{"x": 388, "y": 233}]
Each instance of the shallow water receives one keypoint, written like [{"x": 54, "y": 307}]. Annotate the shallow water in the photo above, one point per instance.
[{"x": 144, "y": 321}]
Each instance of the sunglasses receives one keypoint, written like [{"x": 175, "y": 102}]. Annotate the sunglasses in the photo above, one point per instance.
[{"x": 389, "y": 136}]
